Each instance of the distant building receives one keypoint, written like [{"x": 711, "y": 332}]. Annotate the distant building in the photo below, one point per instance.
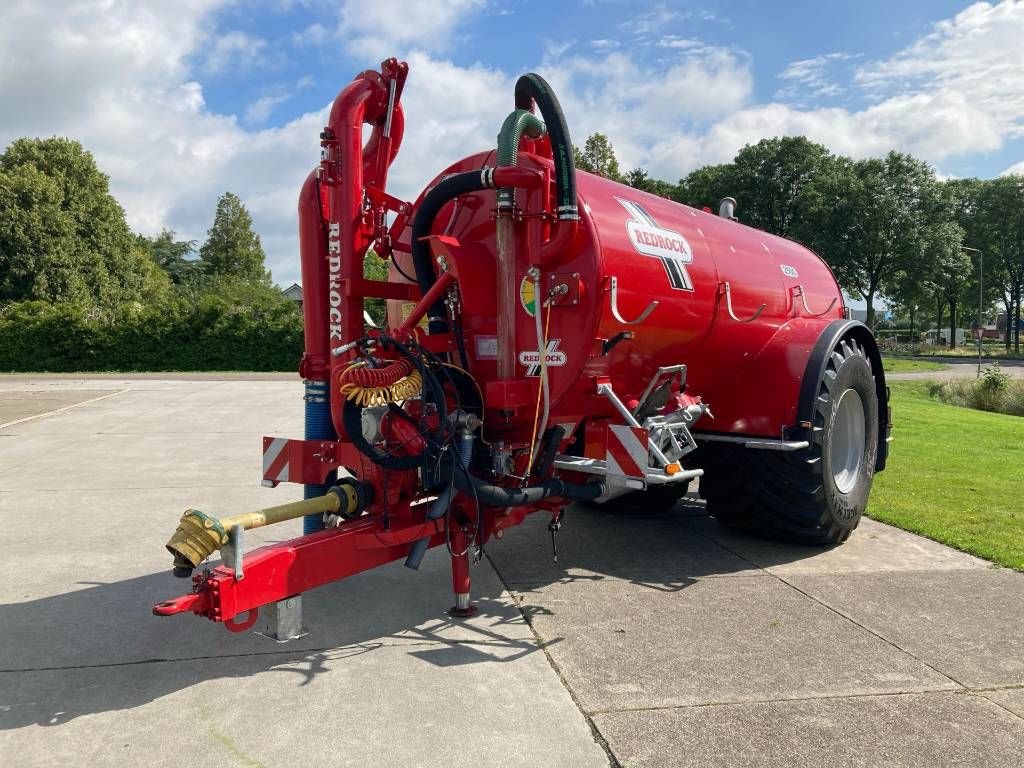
[
  {"x": 1001, "y": 322},
  {"x": 862, "y": 314},
  {"x": 942, "y": 337},
  {"x": 293, "y": 293}
]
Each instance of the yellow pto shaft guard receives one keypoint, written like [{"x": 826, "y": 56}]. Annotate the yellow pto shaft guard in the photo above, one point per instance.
[{"x": 199, "y": 535}]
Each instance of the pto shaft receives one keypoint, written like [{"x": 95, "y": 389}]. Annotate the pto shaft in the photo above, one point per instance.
[{"x": 200, "y": 535}]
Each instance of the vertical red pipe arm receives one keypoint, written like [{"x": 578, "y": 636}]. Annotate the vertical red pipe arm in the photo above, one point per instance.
[
  {"x": 316, "y": 358},
  {"x": 343, "y": 165}
]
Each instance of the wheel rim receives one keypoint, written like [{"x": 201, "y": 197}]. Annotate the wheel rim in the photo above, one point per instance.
[{"x": 848, "y": 441}]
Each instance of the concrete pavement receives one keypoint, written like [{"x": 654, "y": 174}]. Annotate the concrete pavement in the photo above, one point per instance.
[{"x": 657, "y": 639}]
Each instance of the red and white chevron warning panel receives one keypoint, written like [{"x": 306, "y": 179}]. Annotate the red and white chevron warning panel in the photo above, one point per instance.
[
  {"x": 276, "y": 460},
  {"x": 627, "y": 451}
]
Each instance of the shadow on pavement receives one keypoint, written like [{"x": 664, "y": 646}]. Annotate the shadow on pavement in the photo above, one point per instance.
[{"x": 68, "y": 655}]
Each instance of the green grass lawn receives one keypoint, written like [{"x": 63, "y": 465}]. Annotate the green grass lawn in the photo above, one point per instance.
[
  {"x": 954, "y": 475},
  {"x": 908, "y": 365}
]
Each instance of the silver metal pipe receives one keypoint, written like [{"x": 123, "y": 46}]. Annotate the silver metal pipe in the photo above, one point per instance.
[{"x": 507, "y": 286}]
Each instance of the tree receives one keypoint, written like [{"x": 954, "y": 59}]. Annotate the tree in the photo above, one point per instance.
[
  {"x": 770, "y": 178},
  {"x": 952, "y": 275},
  {"x": 63, "y": 237},
  {"x": 375, "y": 268},
  {"x": 598, "y": 156},
  {"x": 999, "y": 234},
  {"x": 706, "y": 186},
  {"x": 232, "y": 249},
  {"x": 172, "y": 256},
  {"x": 967, "y": 197},
  {"x": 873, "y": 221},
  {"x": 638, "y": 178}
]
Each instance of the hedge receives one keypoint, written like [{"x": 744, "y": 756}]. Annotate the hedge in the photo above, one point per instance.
[{"x": 205, "y": 332}]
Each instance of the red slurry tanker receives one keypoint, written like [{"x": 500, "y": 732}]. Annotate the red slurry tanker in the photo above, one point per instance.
[{"x": 551, "y": 337}]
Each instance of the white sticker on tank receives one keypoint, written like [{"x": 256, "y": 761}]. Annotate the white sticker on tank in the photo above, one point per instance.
[
  {"x": 670, "y": 247},
  {"x": 788, "y": 271},
  {"x": 486, "y": 347},
  {"x": 553, "y": 358}
]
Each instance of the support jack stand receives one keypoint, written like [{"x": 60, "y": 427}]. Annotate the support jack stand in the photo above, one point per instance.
[
  {"x": 463, "y": 608},
  {"x": 282, "y": 621}
]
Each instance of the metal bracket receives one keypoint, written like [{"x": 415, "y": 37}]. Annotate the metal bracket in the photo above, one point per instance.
[
  {"x": 599, "y": 467},
  {"x": 728, "y": 304},
  {"x": 798, "y": 290},
  {"x": 232, "y": 554},
  {"x": 614, "y": 285},
  {"x": 764, "y": 444},
  {"x": 656, "y": 381},
  {"x": 606, "y": 390}
]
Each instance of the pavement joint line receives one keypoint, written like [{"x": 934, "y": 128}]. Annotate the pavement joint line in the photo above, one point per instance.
[
  {"x": 982, "y": 693},
  {"x": 978, "y": 692},
  {"x": 839, "y": 613},
  {"x": 595, "y": 732},
  {"x": 55, "y": 411},
  {"x": 282, "y": 652},
  {"x": 788, "y": 700},
  {"x": 637, "y": 580}
]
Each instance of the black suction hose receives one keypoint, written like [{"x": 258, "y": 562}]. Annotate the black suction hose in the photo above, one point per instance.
[
  {"x": 530, "y": 88},
  {"x": 447, "y": 189},
  {"x": 534, "y": 88},
  {"x": 499, "y": 496}
]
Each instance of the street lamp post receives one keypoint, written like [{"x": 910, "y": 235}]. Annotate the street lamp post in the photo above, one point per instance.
[{"x": 981, "y": 300}]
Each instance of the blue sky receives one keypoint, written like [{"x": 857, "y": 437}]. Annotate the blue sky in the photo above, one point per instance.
[
  {"x": 182, "y": 101},
  {"x": 294, "y": 76}
]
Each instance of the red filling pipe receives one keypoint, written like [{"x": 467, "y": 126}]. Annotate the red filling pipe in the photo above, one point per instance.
[
  {"x": 345, "y": 166},
  {"x": 316, "y": 358}
]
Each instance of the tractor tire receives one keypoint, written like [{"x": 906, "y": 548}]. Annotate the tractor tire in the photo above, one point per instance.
[{"x": 813, "y": 496}]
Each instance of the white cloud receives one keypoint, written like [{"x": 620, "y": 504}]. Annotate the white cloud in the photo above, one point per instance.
[
  {"x": 315, "y": 34},
  {"x": 638, "y": 106},
  {"x": 955, "y": 91},
  {"x": 377, "y": 28},
  {"x": 811, "y": 78},
  {"x": 653, "y": 21},
  {"x": 235, "y": 50},
  {"x": 975, "y": 57},
  {"x": 259, "y": 110}
]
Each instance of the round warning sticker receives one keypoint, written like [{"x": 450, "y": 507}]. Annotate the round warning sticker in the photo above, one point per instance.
[{"x": 528, "y": 296}]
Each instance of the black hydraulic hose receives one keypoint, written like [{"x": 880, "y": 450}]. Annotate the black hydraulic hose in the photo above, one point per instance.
[
  {"x": 532, "y": 87},
  {"x": 447, "y": 189},
  {"x": 554, "y": 438},
  {"x": 499, "y": 496}
]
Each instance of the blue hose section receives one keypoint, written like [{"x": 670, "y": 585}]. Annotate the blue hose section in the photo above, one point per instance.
[
  {"x": 464, "y": 446},
  {"x": 318, "y": 427}
]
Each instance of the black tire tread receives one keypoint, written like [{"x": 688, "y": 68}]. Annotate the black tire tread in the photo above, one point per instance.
[{"x": 779, "y": 494}]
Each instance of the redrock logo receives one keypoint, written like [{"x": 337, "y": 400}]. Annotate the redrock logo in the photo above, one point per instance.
[{"x": 651, "y": 240}]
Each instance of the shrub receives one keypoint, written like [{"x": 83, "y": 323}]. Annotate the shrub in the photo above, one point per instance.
[
  {"x": 995, "y": 391},
  {"x": 221, "y": 327}
]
